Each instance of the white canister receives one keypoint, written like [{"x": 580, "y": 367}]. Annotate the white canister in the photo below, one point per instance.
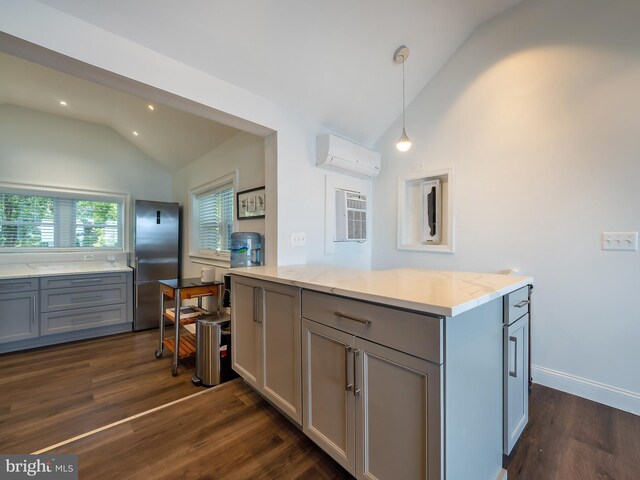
[{"x": 208, "y": 274}]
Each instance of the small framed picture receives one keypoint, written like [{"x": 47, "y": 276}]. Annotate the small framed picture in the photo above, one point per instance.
[{"x": 251, "y": 203}]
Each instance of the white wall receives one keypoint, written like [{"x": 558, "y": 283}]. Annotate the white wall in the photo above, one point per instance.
[
  {"x": 538, "y": 114},
  {"x": 243, "y": 152},
  {"x": 43, "y": 149},
  {"x": 297, "y": 184},
  {"x": 39, "y": 148}
]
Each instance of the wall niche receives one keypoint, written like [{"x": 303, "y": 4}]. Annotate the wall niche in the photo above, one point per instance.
[{"x": 425, "y": 211}]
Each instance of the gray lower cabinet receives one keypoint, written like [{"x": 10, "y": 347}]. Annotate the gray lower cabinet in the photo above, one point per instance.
[
  {"x": 18, "y": 316},
  {"x": 515, "y": 346},
  {"x": 266, "y": 341},
  {"x": 71, "y": 303},
  {"x": 54, "y": 309},
  {"x": 388, "y": 393},
  {"x": 516, "y": 381},
  {"x": 374, "y": 409}
]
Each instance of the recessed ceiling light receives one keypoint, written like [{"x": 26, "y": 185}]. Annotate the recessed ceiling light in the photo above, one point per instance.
[
  {"x": 135, "y": 133},
  {"x": 151, "y": 107},
  {"x": 63, "y": 103}
]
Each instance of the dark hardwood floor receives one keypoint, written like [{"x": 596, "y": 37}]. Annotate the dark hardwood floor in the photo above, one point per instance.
[
  {"x": 50, "y": 394},
  {"x": 56, "y": 393},
  {"x": 571, "y": 438},
  {"x": 226, "y": 433}
]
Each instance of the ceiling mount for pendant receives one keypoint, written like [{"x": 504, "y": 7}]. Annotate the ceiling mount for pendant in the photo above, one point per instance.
[{"x": 401, "y": 54}]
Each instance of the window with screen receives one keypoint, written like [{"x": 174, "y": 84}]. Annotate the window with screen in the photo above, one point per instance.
[
  {"x": 37, "y": 221},
  {"x": 212, "y": 219}
]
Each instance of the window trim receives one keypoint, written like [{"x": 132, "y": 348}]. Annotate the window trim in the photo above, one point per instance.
[
  {"x": 220, "y": 258},
  {"x": 76, "y": 194}
]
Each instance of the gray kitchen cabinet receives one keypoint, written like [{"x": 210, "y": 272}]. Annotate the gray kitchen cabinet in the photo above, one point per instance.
[
  {"x": 70, "y": 303},
  {"x": 388, "y": 392},
  {"x": 516, "y": 381},
  {"x": 265, "y": 329},
  {"x": 18, "y": 313},
  {"x": 327, "y": 382},
  {"x": 374, "y": 409},
  {"x": 38, "y": 311},
  {"x": 515, "y": 387}
]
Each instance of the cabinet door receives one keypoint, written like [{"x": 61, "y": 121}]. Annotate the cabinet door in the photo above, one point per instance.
[
  {"x": 280, "y": 355},
  {"x": 516, "y": 381},
  {"x": 329, "y": 403},
  {"x": 398, "y": 416},
  {"x": 244, "y": 329},
  {"x": 18, "y": 316}
]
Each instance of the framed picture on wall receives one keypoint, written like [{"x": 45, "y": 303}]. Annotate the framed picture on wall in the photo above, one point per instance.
[{"x": 251, "y": 203}]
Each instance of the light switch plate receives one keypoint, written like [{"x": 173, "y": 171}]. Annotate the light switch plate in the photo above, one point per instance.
[
  {"x": 298, "y": 239},
  {"x": 625, "y": 241}
]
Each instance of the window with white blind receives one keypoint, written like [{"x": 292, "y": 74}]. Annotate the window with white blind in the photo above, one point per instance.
[
  {"x": 212, "y": 219},
  {"x": 38, "y": 220}
]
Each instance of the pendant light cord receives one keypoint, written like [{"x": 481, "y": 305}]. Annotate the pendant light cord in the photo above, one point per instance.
[{"x": 403, "y": 59}]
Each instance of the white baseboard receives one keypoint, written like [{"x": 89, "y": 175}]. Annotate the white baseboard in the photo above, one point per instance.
[{"x": 582, "y": 387}]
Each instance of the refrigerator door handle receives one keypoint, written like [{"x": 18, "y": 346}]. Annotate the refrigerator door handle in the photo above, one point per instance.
[{"x": 135, "y": 294}]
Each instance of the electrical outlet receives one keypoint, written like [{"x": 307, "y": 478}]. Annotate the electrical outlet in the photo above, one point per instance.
[
  {"x": 111, "y": 258},
  {"x": 298, "y": 239},
  {"x": 88, "y": 257},
  {"x": 627, "y": 241}
]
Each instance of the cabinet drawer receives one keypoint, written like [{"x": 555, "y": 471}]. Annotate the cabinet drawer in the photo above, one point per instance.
[
  {"x": 412, "y": 333},
  {"x": 11, "y": 285},
  {"x": 66, "y": 298},
  {"x": 81, "y": 319},
  {"x": 516, "y": 304},
  {"x": 65, "y": 281}
]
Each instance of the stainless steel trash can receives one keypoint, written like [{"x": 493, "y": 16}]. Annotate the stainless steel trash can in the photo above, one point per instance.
[{"x": 212, "y": 349}]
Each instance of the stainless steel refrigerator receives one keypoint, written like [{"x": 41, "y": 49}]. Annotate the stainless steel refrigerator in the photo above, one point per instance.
[{"x": 156, "y": 257}]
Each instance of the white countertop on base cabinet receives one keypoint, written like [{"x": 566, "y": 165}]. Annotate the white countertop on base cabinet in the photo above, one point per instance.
[
  {"x": 22, "y": 270},
  {"x": 434, "y": 291}
]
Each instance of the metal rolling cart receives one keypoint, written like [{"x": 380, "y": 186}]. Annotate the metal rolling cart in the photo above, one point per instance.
[{"x": 182, "y": 346}]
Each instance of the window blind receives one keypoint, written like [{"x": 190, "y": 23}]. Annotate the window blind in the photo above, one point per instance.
[
  {"x": 215, "y": 218},
  {"x": 39, "y": 221}
]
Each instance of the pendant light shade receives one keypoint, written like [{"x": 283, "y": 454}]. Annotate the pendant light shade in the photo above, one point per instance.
[
  {"x": 404, "y": 142},
  {"x": 400, "y": 56}
]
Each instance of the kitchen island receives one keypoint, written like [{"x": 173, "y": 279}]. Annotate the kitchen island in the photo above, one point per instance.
[{"x": 395, "y": 374}]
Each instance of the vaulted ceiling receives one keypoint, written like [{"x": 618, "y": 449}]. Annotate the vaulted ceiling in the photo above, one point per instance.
[
  {"x": 170, "y": 136},
  {"x": 330, "y": 60}
]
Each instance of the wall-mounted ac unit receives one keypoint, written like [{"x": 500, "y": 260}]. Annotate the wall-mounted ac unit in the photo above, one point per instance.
[
  {"x": 351, "y": 216},
  {"x": 346, "y": 157}
]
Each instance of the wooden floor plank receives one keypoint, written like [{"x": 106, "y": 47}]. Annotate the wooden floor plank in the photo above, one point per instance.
[
  {"x": 569, "y": 437},
  {"x": 54, "y": 393},
  {"x": 215, "y": 435}
]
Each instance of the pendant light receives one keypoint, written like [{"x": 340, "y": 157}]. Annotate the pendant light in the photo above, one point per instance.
[{"x": 400, "y": 56}]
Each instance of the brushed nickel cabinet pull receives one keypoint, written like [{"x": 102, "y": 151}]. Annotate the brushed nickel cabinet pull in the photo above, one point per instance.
[
  {"x": 347, "y": 351},
  {"x": 33, "y": 318},
  {"x": 522, "y": 303},
  {"x": 88, "y": 280},
  {"x": 81, "y": 320},
  {"x": 85, "y": 298},
  {"x": 255, "y": 304},
  {"x": 514, "y": 373},
  {"x": 355, "y": 319},
  {"x": 356, "y": 390}
]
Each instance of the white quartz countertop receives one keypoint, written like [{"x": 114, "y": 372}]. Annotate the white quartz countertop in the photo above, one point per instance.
[
  {"x": 434, "y": 291},
  {"x": 21, "y": 270}
]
